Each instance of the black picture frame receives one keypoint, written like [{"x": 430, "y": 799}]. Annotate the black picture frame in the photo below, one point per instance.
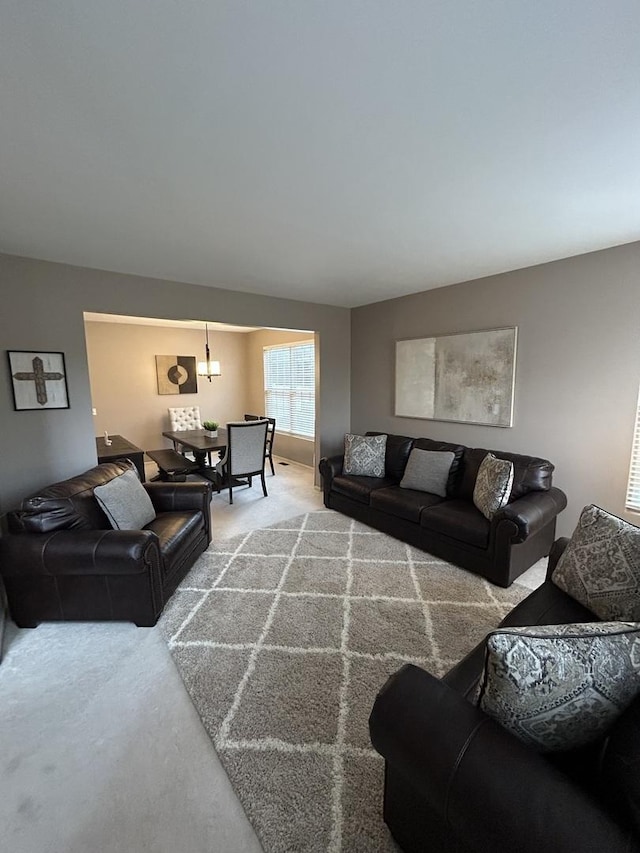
[{"x": 38, "y": 380}]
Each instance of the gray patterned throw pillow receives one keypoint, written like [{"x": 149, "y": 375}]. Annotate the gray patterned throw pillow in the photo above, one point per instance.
[
  {"x": 493, "y": 485},
  {"x": 364, "y": 455},
  {"x": 600, "y": 567},
  {"x": 559, "y": 687}
]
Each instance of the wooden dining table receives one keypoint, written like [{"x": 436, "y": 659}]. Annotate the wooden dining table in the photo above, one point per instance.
[{"x": 201, "y": 445}]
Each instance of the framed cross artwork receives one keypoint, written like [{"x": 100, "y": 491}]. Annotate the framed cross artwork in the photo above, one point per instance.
[{"x": 38, "y": 380}]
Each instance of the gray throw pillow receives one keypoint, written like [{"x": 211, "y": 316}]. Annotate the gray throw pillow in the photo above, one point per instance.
[
  {"x": 559, "y": 687},
  {"x": 493, "y": 485},
  {"x": 125, "y": 502},
  {"x": 600, "y": 567},
  {"x": 428, "y": 471},
  {"x": 364, "y": 455}
]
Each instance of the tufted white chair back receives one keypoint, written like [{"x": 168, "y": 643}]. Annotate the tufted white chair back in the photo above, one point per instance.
[{"x": 185, "y": 417}]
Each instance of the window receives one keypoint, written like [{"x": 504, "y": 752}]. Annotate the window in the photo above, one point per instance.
[
  {"x": 290, "y": 387},
  {"x": 633, "y": 487}
]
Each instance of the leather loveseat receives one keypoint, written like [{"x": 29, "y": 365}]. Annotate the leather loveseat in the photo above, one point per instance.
[
  {"x": 62, "y": 560},
  {"x": 452, "y": 527},
  {"x": 456, "y": 781}
]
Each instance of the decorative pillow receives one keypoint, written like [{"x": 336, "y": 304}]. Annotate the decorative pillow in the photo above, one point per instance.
[
  {"x": 558, "y": 687},
  {"x": 125, "y": 502},
  {"x": 428, "y": 471},
  {"x": 364, "y": 455},
  {"x": 600, "y": 567},
  {"x": 493, "y": 485}
]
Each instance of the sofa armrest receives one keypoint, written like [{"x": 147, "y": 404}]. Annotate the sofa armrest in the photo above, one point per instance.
[
  {"x": 555, "y": 553},
  {"x": 172, "y": 497},
  {"x": 492, "y": 791},
  {"x": 330, "y": 467},
  {"x": 79, "y": 552},
  {"x": 532, "y": 512}
]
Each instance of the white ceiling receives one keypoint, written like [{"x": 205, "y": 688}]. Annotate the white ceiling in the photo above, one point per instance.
[{"x": 343, "y": 151}]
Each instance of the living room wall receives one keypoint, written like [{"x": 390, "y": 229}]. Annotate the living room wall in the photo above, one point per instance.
[
  {"x": 43, "y": 311},
  {"x": 577, "y": 370}
]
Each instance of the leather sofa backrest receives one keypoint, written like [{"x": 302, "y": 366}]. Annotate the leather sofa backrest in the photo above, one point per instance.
[
  {"x": 530, "y": 473},
  {"x": 396, "y": 455},
  {"x": 68, "y": 505},
  {"x": 455, "y": 472}
]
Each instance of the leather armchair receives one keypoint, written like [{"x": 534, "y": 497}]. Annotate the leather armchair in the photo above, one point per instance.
[{"x": 85, "y": 570}]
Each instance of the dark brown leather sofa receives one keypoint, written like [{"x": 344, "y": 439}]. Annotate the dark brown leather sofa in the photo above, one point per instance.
[
  {"x": 452, "y": 528},
  {"x": 61, "y": 559},
  {"x": 456, "y": 781}
]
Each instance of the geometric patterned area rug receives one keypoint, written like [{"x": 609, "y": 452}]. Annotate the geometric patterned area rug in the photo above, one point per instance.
[{"x": 283, "y": 637}]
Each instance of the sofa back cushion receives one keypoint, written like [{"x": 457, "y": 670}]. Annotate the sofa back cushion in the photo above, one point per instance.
[
  {"x": 396, "y": 454},
  {"x": 455, "y": 470},
  {"x": 530, "y": 473},
  {"x": 70, "y": 504}
]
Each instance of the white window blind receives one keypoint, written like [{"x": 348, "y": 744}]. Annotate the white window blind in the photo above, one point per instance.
[
  {"x": 633, "y": 487},
  {"x": 290, "y": 387}
]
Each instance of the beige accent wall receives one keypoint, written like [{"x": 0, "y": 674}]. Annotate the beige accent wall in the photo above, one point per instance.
[
  {"x": 124, "y": 390},
  {"x": 297, "y": 449},
  {"x": 43, "y": 305},
  {"x": 577, "y": 374}
]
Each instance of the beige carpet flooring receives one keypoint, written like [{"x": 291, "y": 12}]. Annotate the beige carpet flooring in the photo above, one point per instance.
[{"x": 283, "y": 636}]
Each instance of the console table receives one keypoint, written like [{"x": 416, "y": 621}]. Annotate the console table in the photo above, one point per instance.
[{"x": 120, "y": 448}]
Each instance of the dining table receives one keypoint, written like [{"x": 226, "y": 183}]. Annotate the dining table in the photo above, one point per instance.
[{"x": 202, "y": 445}]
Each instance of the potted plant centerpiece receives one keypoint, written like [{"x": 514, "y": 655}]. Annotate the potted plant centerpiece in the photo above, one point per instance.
[{"x": 211, "y": 428}]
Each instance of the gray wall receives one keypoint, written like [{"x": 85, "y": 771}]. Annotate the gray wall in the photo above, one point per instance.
[
  {"x": 577, "y": 375},
  {"x": 42, "y": 310}
]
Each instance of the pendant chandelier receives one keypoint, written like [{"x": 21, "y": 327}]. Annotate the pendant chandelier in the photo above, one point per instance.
[{"x": 208, "y": 368}]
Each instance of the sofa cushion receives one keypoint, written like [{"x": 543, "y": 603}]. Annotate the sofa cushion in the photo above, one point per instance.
[
  {"x": 359, "y": 488},
  {"x": 396, "y": 454},
  {"x": 600, "y": 567},
  {"x": 428, "y": 471},
  {"x": 401, "y": 502},
  {"x": 364, "y": 455},
  {"x": 458, "y": 519},
  {"x": 559, "y": 687},
  {"x": 70, "y": 504},
  {"x": 493, "y": 485},
  {"x": 125, "y": 502},
  {"x": 455, "y": 471},
  {"x": 530, "y": 473}
]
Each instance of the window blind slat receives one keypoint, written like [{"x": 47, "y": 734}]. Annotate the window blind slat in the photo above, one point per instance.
[
  {"x": 289, "y": 387},
  {"x": 633, "y": 487}
]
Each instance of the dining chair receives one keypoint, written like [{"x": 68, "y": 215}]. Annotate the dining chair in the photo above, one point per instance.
[
  {"x": 244, "y": 456},
  {"x": 271, "y": 430},
  {"x": 182, "y": 418}
]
